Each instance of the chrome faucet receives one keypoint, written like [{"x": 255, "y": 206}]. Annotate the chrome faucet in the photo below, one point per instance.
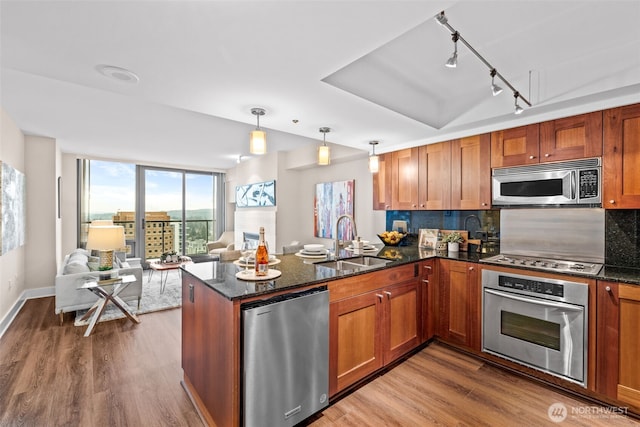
[{"x": 355, "y": 232}]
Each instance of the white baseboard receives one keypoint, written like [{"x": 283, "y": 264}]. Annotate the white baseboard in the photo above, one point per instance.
[{"x": 15, "y": 309}]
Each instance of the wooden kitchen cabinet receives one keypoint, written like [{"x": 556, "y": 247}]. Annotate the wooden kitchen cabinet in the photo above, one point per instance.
[
  {"x": 382, "y": 183},
  {"x": 404, "y": 179},
  {"x": 575, "y": 137},
  {"x": 434, "y": 176},
  {"x": 516, "y": 146},
  {"x": 471, "y": 173},
  {"x": 569, "y": 138},
  {"x": 429, "y": 297},
  {"x": 370, "y": 328},
  {"x": 459, "y": 303},
  {"x": 621, "y": 157},
  {"x": 618, "y": 341},
  {"x": 208, "y": 366}
]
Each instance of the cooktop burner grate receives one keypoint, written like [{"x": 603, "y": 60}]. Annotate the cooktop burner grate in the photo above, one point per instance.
[{"x": 547, "y": 264}]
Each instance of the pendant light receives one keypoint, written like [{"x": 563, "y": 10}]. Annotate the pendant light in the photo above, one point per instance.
[
  {"x": 324, "y": 155},
  {"x": 258, "y": 137},
  {"x": 374, "y": 160}
]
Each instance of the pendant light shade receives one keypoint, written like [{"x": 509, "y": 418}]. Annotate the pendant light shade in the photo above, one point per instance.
[
  {"x": 324, "y": 152},
  {"x": 258, "y": 137},
  {"x": 374, "y": 160}
]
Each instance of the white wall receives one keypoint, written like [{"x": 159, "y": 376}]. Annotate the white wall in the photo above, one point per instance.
[
  {"x": 12, "y": 271},
  {"x": 296, "y": 176},
  {"x": 42, "y": 219}
]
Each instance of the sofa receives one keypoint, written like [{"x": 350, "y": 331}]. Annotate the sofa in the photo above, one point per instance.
[{"x": 79, "y": 266}]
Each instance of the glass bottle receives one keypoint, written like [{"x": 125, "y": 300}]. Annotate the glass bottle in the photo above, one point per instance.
[{"x": 262, "y": 256}]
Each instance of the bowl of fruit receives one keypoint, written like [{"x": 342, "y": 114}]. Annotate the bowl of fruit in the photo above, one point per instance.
[{"x": 392, "y": 238}]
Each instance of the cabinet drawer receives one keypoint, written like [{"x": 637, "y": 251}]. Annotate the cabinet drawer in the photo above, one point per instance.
[{"x": 356, "y": 285}]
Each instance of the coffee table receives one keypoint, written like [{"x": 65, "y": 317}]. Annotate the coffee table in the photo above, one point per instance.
[
  {"x": 107, "y": 291},
  {"x": 165, "y": 267}
]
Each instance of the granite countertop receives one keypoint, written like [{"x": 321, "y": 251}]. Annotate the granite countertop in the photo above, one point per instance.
[{"x": 298, "y": 272}]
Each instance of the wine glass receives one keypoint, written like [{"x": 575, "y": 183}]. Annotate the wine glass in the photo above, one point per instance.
[{"x": 246, "y": 250}]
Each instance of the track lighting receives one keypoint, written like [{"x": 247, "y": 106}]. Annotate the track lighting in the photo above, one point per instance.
[
  {"x": 324, "y": 155},
  {"x": 453, "y": 61},
  {"x": 495, "y": 89},
  {"x": 518, "y": 109},
  {"x": 258, "y": 137},
  {"x": 374, "y": 160}
]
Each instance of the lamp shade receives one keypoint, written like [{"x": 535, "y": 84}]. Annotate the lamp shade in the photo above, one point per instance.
[
  {"x": 106, "y": 238},
  {"x": 258, "y": 142},
  {"x": 324, "y": 155},
  {"x": 374, "y": 163}
]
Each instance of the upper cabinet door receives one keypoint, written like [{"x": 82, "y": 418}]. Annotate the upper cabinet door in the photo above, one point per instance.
[
  {"x": 434, "y": 186},
  {"x": 382, "y": 183},
  {"x": 514, "y": 147},
  {"x": 404, "y": 181},
  {"x": 471, "y": 173},
  {"x": 575, "y": 137},
  {"x": 621, "y": 158}
]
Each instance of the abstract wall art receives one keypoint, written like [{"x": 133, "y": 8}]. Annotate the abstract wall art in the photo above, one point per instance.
[
  {"x": 331, "y": 200},
  {"x": 256, "y": 195},
  {"x": 12, "y": 228}
]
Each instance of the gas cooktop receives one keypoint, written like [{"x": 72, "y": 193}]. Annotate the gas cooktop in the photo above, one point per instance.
[{"x": 547, "y": 264}]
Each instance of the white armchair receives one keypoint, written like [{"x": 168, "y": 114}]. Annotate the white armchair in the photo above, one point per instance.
[{"x": 226, "y": 242}]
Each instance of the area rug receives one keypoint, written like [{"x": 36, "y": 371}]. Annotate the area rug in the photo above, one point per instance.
[{"x": 152, "y": 300}]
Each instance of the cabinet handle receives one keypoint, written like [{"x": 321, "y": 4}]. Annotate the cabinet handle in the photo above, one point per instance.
[
  {"x": 613, "y": 202},
  {"x": 379, "y": 297},
  {"x": 484, "y": 204},
  {"x": 414, "y": 206},
  {"x": 428, "y": 267},
  {"x": 547, "y": 155},
  {"x": 191, "y": 293},
  {"x": 388, "y": 294},
  {"x": 608, "y": 289},
  {"x": 532, "y": 157},
  {"x": 387, "y": 207},
  {"x": 425, "y": 281},
  {"x": 422, "y": 205},
  {"x": 471, "y": 269}
]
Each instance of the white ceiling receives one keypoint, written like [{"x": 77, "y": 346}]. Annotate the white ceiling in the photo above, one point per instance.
[{"x": 370, "y": 70}]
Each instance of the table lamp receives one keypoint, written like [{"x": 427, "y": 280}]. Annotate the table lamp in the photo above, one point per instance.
[{"x": 106, "y": 239}]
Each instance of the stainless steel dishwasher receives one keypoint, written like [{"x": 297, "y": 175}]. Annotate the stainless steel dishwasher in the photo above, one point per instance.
[{"x": 285, "y": 358}]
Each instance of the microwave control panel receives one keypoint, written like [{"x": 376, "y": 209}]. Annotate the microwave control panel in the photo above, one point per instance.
[{"x": 589, "y": 183}]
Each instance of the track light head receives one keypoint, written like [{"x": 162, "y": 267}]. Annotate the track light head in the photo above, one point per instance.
[
  {"x": 495, "y": 89},
  {"x": 518, "y": 109},
  {"x": 452, "y": 62},
  {"x": 442, "y": 20}
]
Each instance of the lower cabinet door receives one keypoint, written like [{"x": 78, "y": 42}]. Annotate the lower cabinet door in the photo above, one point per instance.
[
  {"x": 402, "y": 315},
  {"x": 355, "y": 344}
]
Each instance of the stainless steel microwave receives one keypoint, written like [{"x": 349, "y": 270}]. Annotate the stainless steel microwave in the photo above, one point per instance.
[{"x": 577, "y": 182}]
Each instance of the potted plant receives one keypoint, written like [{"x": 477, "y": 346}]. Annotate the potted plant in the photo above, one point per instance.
[{"x": 453, "y": 241}]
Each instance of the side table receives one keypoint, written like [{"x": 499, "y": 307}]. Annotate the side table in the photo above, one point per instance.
[
  {"x": 164, "y": 268},
  {"x": 107, "y": 291}
]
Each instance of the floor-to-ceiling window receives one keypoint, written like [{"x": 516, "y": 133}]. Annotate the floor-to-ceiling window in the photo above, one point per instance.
[{"x": 162, "y": 210}]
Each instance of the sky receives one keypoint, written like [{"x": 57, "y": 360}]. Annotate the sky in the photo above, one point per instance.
[{"x": 113, "y": 188}]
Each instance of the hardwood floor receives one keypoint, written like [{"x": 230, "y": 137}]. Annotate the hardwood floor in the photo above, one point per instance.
[{"x": 129, "y": 375}]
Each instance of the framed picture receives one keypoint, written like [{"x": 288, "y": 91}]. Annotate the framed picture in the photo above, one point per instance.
[
  {"x": 428, "y": 238},
  {"x": 261, "y": 194},
  {"x": 331, "y": 200}
]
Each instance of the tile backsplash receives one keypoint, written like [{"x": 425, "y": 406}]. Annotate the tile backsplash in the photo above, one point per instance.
[
  {"x": 486, "y": 221},
  {"x": 622, "y": 229},
  {"x": 622, "y": 238}
]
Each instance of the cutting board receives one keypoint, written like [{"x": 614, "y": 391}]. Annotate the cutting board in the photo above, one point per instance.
[{"x": 465, "y": 235}]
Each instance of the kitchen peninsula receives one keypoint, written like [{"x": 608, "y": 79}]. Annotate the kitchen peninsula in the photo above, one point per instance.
[{"x": 409, "y": 285}]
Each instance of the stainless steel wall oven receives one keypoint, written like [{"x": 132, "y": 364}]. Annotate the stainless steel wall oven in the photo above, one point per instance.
[{"x": 539, "y": 322}]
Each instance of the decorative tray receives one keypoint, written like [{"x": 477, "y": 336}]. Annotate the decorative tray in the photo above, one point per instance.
[{"x": 251, "y": 275}]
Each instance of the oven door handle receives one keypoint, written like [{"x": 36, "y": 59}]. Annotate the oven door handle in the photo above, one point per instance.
[{"x": 545, "y": 303}]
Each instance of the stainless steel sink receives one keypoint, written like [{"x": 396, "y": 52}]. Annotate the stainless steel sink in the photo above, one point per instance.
[{"x": 356, "y": 263}]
